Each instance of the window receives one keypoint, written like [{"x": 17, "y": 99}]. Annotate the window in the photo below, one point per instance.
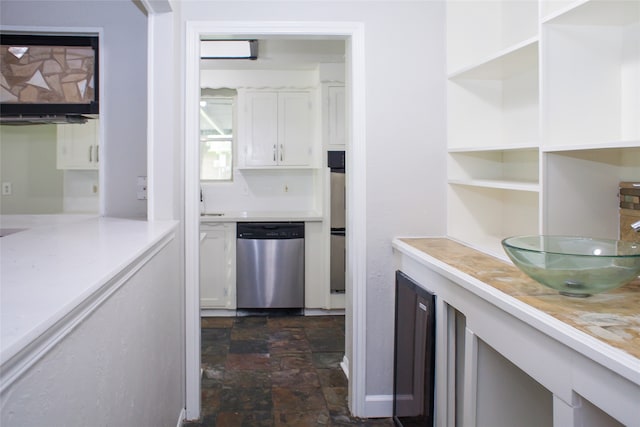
[{"x": 216, "y": 135}]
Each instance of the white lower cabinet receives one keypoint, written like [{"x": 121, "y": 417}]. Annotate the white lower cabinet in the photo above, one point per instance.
[
  {"x": 316, "y": 267},
  {"x": 218, "y": 266},
  {"x": 78, "y": 146}
]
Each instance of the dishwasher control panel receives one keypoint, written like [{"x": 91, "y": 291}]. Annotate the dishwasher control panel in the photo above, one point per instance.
[{"x": 270, "y": 230}]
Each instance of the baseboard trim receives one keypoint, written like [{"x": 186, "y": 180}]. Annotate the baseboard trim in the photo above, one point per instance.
[
  {"x": 217, "y": 312},
  {"x": 181, "y": 417},
  {"x": 323, "y": 312},
  {"x": 345, "y": 366},
  {"x": 222, "y": 312},
  {"x": 378, "y": 405}
]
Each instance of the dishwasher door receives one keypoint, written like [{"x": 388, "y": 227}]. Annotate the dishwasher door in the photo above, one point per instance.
[{"x": 270, "y": 268}]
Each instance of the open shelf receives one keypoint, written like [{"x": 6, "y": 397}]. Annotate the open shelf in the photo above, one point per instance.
[
  {"x": 501, "y": 169},
  {"x": 482, "y": 217},
  {"x": 477, "y": 30},
  {"x": 473, "y": 149},
  {"x": 506, "y": 395},
  {"x": 498, "y": 184},
  {"x": 581, "y": 190},
  {"x": 591, "y": 75},
  {"x": 609, "y": 145},
  {"x": 500, "y": 112},
  {"x": 543, "y": 102},
  {"x": 591, "y": 12},
  {"x": 509, "y": 62},
  {"x": 552, "y": 8}
]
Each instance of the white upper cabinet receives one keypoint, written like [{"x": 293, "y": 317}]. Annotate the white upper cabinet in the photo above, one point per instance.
[
  {"x": 295, "y": 129},
  {"x": 277, "y": 129},
  {"x": 78, "y": 145},
  {"x": 334, "y": 129}
]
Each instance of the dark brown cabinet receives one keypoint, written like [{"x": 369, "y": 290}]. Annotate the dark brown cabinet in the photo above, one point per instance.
[{"x": 414, "y": 351}]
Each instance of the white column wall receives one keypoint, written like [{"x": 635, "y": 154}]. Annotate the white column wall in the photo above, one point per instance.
[
  {"x": 405, "y": 164},
  {"x": 122, "y": 365}
]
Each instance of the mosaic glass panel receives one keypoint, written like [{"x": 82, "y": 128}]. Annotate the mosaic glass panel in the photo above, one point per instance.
[{"x": 47, "y": 74}]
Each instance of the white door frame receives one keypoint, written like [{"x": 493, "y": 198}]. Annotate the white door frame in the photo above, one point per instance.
[{"x": 353, "y": 33}]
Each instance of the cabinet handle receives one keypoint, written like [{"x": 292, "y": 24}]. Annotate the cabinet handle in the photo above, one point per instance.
[
  {"x": 281, "y": 152},
  {"x": 90, "y": 153},
  {"x": 422, "y": 306},
  {"x": 274, "y": 152},
  {"x": 97, "y": 153}
]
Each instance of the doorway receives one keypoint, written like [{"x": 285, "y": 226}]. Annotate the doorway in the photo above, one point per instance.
[{"x": 353, "y": 34}]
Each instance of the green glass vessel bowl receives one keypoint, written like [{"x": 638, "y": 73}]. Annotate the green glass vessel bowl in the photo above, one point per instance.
[{"x": 575, "y": 266}]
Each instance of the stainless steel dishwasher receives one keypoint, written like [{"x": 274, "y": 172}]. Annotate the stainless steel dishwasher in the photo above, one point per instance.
[{"x": 270, "y": 265}]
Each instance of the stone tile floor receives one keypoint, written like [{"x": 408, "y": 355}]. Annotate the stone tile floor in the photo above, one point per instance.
[{"x": 275, "y": 371}]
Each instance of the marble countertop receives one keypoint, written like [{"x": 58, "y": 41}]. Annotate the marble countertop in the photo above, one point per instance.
[
  {"x": 246, "y": 216},
  {"x": 56, "y": 262},
  {"x": 612, "y": 317}
]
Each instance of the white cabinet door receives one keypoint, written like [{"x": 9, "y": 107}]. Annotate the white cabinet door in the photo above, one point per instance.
[
  {"x": 277, "y": 129},
  {"x": 261, "y": 129},
  {"x": 78, "y": 145},
  {"x": 217, "y": 266},
  {"x": 335, "y": 125},
  {"x": 294, "y": 129}
]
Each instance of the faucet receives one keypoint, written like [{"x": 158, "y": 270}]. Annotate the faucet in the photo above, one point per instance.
[{"x": 636, "y": 226}]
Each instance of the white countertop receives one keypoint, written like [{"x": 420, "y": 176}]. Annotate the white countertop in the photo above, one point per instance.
[
  {"x": 506, "y": 288},
  {"x": 56, "y": 263},
  {"x": 33, "y": 221},
  {"x": 246, "y": 216}
]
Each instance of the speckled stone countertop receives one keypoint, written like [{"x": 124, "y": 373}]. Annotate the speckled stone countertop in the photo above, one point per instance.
[{"x": 612, "y": 317}]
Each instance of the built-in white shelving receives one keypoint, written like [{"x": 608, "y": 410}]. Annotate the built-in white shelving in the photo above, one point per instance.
[
  {"x": 495, "y": 102},
  {"x": 543, "y": 107},
  {"x": 502, "y": 64},
  {"x": 581, "y": 189},
  {"x": 518, "y": 167},
  {"x": 591, "y": 74},
  {"x": 479, "y": 29},
  {"x": 493, "y": 121},
  {"x": 483, "y": 216},
  {"x": 498, "y": 184}
]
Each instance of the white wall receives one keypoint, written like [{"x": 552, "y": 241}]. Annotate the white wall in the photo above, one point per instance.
[
  {"x": 28, "y": 156},
  {"x": 406, "y": 151},
  {"x": 79, "y": 194},
  {"x": 121, "y": 366},
  {"x": 258, "y": 79},
  {"x": 123, "y": 103},
  {"x": 28, "y": 162},
  {"x": 273, "y": 191}
]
